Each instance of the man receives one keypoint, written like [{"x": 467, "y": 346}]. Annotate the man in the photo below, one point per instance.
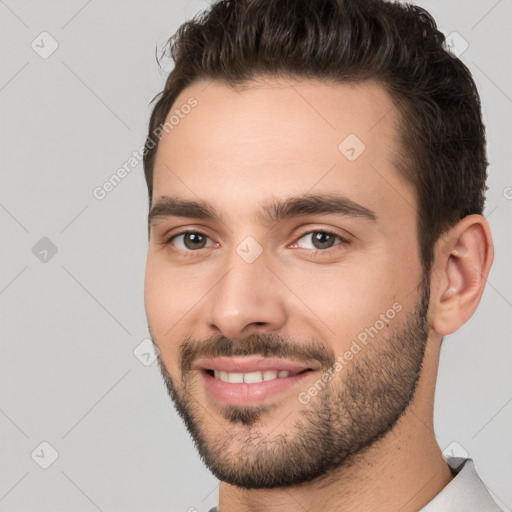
[{"x": 316, "y": 173}]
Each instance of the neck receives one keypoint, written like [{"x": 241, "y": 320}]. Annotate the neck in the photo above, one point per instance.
[{"x": 403, "y": 471}]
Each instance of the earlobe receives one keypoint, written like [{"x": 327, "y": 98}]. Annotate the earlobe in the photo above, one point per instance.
[{"x": 464, "y": 257}]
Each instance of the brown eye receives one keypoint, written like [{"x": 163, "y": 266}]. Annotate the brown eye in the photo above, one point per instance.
[
  {"x": 194, "y": 240},
  {"x": 322, "y": 240},
  {"x": 190, "y": 241},
  {"x": 318, "y": 240}
]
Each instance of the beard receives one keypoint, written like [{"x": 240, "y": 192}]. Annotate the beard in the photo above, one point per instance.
[{"x": 357, "y": 407}]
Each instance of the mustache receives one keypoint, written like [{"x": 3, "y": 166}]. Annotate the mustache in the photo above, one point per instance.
[{"x": 265, "y": 345}]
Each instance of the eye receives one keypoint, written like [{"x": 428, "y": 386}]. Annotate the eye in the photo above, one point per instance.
[
  {"x": 189, "y": 241},
  {"x": 319, "y": 240}
]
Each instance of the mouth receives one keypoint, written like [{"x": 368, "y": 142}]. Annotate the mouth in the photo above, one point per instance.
[
  {"x": 248, "y": 381},
  {"x": 252, "y": 377}
]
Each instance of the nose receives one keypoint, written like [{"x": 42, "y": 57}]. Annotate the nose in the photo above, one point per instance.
[{"x": 247, "y": 300}]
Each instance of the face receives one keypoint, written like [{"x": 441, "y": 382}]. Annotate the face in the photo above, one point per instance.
[{"x": 283, "y": 276}]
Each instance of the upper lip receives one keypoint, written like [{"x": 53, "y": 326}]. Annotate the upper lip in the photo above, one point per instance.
[{"x": 244, "y": 364}]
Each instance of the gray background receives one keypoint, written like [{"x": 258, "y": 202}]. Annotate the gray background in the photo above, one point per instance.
[{"x": 71, "y": 323}]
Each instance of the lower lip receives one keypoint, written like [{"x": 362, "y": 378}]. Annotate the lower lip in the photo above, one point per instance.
[{"x": 230, "y": 393}]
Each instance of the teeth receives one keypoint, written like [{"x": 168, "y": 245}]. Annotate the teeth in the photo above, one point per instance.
[
  {"x": 251, "y": 377},
  {"x": 235, "y": 378},
  {"x": 269, "y": 375}
]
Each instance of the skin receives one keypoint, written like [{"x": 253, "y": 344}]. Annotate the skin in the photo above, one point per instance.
[{"x": 276, "y": 139}]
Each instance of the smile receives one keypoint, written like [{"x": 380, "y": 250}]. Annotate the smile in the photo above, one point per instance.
[
  {"x": 251, "y": 377},
  {"x": 250, "y": 380}
]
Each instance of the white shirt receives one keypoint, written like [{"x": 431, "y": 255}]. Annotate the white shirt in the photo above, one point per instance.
[{"x": 465, "y": 493}]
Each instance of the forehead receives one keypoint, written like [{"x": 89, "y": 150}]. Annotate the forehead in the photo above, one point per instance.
[{"x": 282, "y": 137}]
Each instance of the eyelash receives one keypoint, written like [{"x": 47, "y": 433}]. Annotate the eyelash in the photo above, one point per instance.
[{"x": 190, "y": 253}]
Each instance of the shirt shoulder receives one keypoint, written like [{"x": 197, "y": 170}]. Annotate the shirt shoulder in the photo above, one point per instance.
[{"x": 465, "y": 492}]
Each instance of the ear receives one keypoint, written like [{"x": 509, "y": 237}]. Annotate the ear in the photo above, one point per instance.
[{"x": 463, "y": 258}]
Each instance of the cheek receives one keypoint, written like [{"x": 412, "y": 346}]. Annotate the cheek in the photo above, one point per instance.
[
  {"x": 343, "y": 303},
  {"x": 166, "y": 294},
  {"x": 346, "y": 300},
  {"x": 165, "y": 305},
  {"x": 155, "y": 299}
]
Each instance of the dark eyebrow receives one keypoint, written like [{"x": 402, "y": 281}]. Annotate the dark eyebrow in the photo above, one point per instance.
[
  {"x": 313, "y": 204},
  {"x": 172, "y": 206},
  {"x": 272, "y": 212}
]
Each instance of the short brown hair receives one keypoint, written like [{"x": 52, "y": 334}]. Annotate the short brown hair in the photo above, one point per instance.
[{"x": 441, "y": 134}]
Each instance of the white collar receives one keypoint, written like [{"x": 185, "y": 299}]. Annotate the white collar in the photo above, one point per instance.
[{"x": 465, "y": 492}]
